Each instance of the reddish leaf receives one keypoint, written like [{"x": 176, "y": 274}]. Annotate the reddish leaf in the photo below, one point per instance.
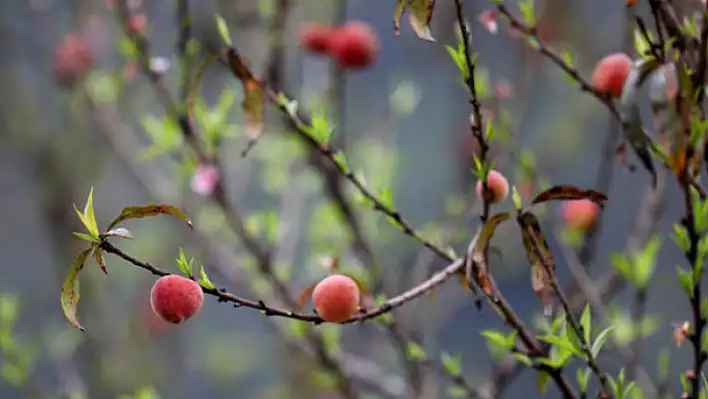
[
  {"x": 305, "y": 295},
  {"x": 479, "y": 266},
  {"x": 70, "y": 289},
  {"x": 253, "y": 103},
  {"x": 565, "y": 193},
  {"x": 538, "y": 252},
  {"x": 420, "y": 12},
  {"x": 139, "y": 212}
]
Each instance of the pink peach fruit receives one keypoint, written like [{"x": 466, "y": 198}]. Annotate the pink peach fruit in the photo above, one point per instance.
[
  {"x": 497, "y": 184},
  {"x": 336, "y": 298},
  {"x": 611, "y": 72},
  {"x": 176, "y": 298},
  {"x": 579, "y": 214},
  {"x": 354, "y": 45},
  {"x": 316, "y": 38}
]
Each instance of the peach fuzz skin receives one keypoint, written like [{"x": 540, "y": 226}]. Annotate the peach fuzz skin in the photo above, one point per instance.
[
  {"x": 336, "y": 298},
  {"x": 176, "y": 298},
  {"x": 611, "y": 73},
  {"x": 579, "y": 214},
  {"x": 316, "y": 38},
  {"x": 354, "y": 45},
  {"x": 497, "y": 184}
]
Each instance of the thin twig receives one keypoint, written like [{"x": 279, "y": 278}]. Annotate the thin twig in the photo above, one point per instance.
[{"x": 549, "y": 269}]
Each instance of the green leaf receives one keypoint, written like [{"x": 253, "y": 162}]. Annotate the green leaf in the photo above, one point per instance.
[
  {"x": 680, "y": 237},
  {"x": 622, "y": 265},
  {"x": 585, "y": 323},
  {"x": 562, "y": 343},
  {"x": 527, "y": 10},
  {"x": 341, "y": 162},
  {"x": 185, "y": 265},
  {"x": 86, "y": 237},
  {"x": 516, "y": 198},
  {"x": 685, "y": 280},
  {"x": 452, "y": 364},
  {"x": 204, "y": 280},
  {"x": 70, "y": 289},
  {"x": 645, "y": 263},
  {"x": 138, "y": 212},
  {"x": 600, "y": 340},
  {"x": 415, "y": 352},
  {"x": 583, "y": 378},
  {"x": 572, "y": 337},
  {"x": 497, "y": 338},
  {"x": 223, "y": 30},
  {"x": 542, "y": 380}
]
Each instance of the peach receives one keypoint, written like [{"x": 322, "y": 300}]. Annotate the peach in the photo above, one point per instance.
[
  {"x": 579, "y": 214},
  {"x": 497, "y": 184},
  {"x": 175, "y": 298},
  {"x": 136, "y": 23},
  {"x": 336, "y": 298},
  {"x": 354, "y": 45},
  {"x": 611, "y": 72},
  {"x": 72, "y": 60},
  {"x": 316, "y": 38}
]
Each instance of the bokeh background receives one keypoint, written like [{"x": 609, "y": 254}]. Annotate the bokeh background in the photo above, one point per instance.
[{"x": 405, "y": 124}]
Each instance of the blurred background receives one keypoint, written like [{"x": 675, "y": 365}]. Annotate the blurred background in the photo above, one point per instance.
[{"x": 77, "y": 112}]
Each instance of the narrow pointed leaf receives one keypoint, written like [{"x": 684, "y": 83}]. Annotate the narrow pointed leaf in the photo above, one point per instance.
[
  {"x": 90, "y": 215},
  {"x": 398, "y": 14},
  {"x": 138, "y": 212},
  {"x": 223, "y": 30},
  {"x": 70, "y": 289},
  {"x": 565, "y": 193},
  {"x": 253, "y": 103},
  {"x": 481, "y": 249},
  {"x": 537, "y": 251},
  {"x": 600, "y": 340},
  {"x": 86, "y": 237},
  {"x": 98, "y": 256},
  {"x": 305, "y": 295},
  {"x": 87, "y": 224},
  {"x": 253, "y": 106},
  {"x": 420, "y": 12}
]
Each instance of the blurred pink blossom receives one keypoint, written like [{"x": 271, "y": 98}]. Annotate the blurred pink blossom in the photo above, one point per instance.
[
  {"x": 205, "y": 179},
  {"x": 503, "y": 91},
  {"x": 488, "y": 19}
]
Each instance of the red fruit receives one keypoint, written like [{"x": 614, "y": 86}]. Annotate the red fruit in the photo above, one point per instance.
[
  {"x": 137, "y": 23},
  {"x": 316, "y": 38},
  {"x": 611, "y": 72},
  {"x": 336, "y": 298},
  {"x": 354, "y": 45},
  {"x": 176, "y": 298},
  {"x": 579, "y": 214},
  {"x": 497, "y": 184},
  {"x": 72, "y": 60}
]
